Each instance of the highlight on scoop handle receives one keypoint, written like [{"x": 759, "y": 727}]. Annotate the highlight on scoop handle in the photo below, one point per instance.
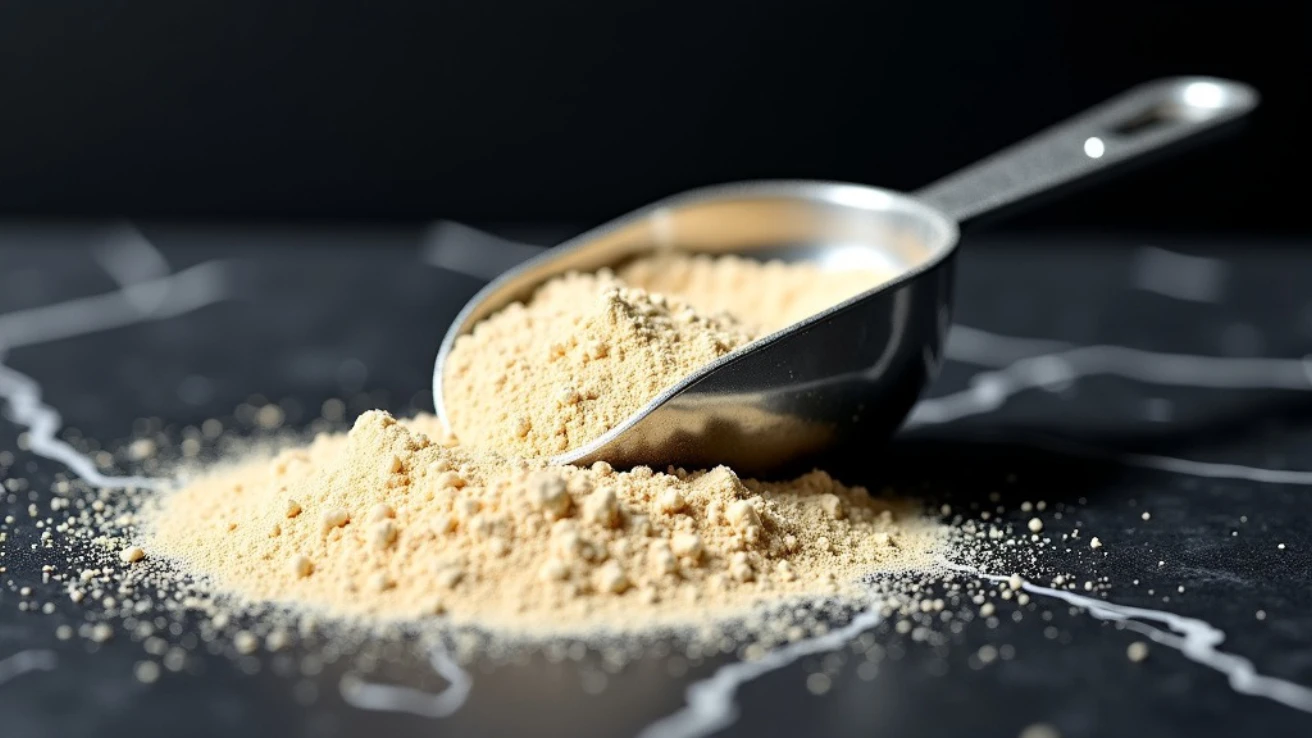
[{"x": 1143, "y": 119}]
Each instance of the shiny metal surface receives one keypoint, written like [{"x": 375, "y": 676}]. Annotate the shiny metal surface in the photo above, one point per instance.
[
  {"x": 846, "y": 377},
  {"x": 1141, "y": 120}
]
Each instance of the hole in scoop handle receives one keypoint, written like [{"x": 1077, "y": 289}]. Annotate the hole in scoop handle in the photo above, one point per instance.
[{"x": 1141, "y": 120}]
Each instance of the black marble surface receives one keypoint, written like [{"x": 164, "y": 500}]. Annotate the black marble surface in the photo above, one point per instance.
[{"x": 1218, "y": 450}]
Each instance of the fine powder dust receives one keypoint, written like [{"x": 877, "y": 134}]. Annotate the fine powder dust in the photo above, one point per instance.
[
  {"x": 384, "y": 521},
  {"x": 589, "y": 350}
]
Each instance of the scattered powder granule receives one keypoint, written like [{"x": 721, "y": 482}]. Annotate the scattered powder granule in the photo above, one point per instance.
[
  {"x": 147, "y": 672},
  {"x": 588, "y": 350},
  {"x": 519, "y": 544},
  {"x": 278, "y": 640},
  {"x": 1137, "y": 651},
  {"x": 818, "y": 683},
  {"x": 140, "y": 449},
  {"x": 245, "y": 642}
]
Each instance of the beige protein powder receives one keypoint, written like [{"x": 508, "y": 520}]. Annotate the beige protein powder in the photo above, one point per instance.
[{"x": 396, "y": 519}]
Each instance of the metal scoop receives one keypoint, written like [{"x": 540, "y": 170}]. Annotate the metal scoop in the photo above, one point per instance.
[{"x": 845, "y": 378}]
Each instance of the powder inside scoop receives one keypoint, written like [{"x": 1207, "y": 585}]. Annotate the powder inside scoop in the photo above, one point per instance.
[{"x": 589, "y": 350}]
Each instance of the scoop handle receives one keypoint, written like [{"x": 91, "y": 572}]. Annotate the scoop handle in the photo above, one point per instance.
[{"x": 1136, "y": 122}]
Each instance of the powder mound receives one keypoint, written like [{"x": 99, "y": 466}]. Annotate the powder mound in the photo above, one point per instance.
[
  {"x": 584, "y": 354},
  {"x": 589, "y": 350},
  {"x": 385, "y": 522}
]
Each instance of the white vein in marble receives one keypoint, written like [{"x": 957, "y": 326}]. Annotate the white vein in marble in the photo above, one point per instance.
[
  {"x": 1196, "y": 639},
  {"x": 366, "y": 695},
  {"x": 24, "y": 662}
]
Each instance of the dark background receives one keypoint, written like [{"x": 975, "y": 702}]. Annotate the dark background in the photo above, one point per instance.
[{"x": 573, "y": 112}]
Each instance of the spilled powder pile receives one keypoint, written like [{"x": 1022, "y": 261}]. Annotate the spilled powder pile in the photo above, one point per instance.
[
  {"x": 589, "y": 350},
  {"x": 115, "y": 565},
  {"x": 384, "y": 521}
]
